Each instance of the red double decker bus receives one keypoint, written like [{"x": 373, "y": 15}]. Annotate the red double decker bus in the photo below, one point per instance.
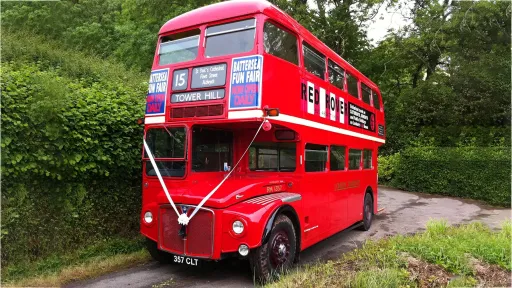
[{"x": 260, "y": 141}]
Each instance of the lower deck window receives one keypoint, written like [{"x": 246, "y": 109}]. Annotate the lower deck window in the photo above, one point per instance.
[
  {"x": 354, "y": 159},
  {"x": 367, "y": 159},
  {"x": 272, "y": 157},
  {"x": 316, "y": 157}
]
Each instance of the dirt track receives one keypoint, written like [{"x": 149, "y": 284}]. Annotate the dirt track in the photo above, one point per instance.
[{"x": 404, "y": 213}]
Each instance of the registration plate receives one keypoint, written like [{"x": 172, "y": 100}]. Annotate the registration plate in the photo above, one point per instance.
[{"x": 185, "y": 260}]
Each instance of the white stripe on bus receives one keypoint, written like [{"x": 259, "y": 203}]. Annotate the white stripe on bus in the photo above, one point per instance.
[
  {"x": 154, "y": 119},
  {"x": 295, "y": 120}
]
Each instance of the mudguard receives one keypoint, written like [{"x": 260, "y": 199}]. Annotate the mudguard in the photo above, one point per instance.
[{"x": 258, "y": 214}]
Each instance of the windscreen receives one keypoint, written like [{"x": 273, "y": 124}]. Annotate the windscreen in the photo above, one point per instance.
[
  {"x": 167, "y": 146},
  {"x": 179, "y": 47},
  {"x": 231, "y": 38},
  {"x": 211, "y": 149}
]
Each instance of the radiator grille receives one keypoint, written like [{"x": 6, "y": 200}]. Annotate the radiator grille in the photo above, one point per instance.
[
  {"x": 197, "y": 111},
  {"x": 199, "y": 240},
  {"x": 169, "y": 227}
]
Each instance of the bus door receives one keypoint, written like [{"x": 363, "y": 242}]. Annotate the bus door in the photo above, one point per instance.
[{"x": 316, "y": 192}]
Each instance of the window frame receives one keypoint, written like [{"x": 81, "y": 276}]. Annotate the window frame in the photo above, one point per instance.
[
  {"x": 329, "y": 61},
  {"x": 371, "y": 159},
  {"x": 348, "y": 76},
  {"x": 306, "y": 45},
  {"x": 285, "y": 30},
  {"x": 185, "y": 158},
  {"x": 161, "y": 38},
  {"x": 278, "y": 148},
  {"x": 206, "y": 35},
  {"x": 365, "y": 88},
  {"x": 345, "y": 168},
  {"x": 376, "y": 99},
  {"x": 360, "y": 157},
  {"x": 231, "y": 150},
  {"x": 326, "y": 157}
]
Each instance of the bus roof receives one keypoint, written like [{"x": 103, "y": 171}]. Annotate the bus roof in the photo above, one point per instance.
[{"x": 232, "y": 9}]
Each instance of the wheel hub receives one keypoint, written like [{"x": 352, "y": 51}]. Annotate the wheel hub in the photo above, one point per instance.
[{"x": 280, "y": 249}]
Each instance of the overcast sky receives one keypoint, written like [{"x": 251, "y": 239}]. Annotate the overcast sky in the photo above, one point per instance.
[{"x": 386, "y": 19}]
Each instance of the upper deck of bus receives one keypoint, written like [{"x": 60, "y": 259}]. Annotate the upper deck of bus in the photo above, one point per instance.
[
  {"x": 177, "y": 97},
  {"x": 221, "y": 12}
]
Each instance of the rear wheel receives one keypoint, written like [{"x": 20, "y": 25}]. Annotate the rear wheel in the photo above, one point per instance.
[
  {"x": 157, "y": 254},
  {"x": 278, "y": 254},
  {"x": 367, "y": 213}
]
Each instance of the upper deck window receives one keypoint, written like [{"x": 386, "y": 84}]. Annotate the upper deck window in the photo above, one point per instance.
[
  {"x": 314, "y": 62},
  {"x": 352, "y": 85},
  {"x": 179, "y": 47},
  {"x": 376, "y": 102},
  {"x": 230, "y": 38},
  {"x": 366, "y": 92},
  {"x": 280, "y": 43},
  {"x": 336, "y": 75}
]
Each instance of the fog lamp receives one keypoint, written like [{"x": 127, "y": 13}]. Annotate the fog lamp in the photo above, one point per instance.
[
  {"x": 148, "y": 217},
  {"x": 238, "y": 227},
  {"x": 243, "y": 250}
]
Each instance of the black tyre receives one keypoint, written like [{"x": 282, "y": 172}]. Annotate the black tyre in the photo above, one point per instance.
[
  {"x": 278, "y": 254},
  {"x": 157, "y": 254},
  {"x": 367, "y": 213}
]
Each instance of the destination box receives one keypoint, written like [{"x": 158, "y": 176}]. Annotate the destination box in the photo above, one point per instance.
[
  {"x": 209, "y": 76},
  {"x": 197, "y": 96}
]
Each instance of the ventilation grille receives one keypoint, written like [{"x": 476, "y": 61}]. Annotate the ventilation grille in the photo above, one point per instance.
[{"x": 197, "y": 111}]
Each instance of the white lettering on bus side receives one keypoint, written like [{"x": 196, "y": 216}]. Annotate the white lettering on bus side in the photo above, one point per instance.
[
  {"x": 322, "y": 103},
  {"x": 342, "y": 110},
  {"x": 332, "y": 106},
  {"x": 311, "y": 95}
]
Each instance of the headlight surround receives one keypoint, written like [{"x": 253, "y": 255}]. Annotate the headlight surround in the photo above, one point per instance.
[
  {"x": 148, "y": 217},
  {"x": 238, "y": 227}
]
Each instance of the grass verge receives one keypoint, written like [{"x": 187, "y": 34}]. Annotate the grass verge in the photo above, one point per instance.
[
  {"x": 443, "y": 255},
  {"x": 89, "y": 262}
]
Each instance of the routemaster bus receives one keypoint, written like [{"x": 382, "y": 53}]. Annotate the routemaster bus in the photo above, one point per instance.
[{"x": 259, "y": 140}]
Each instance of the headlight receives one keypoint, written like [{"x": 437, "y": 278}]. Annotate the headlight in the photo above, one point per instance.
[
  {"x": 148, "y": 217},
  {"x": 238, "y": 227},
  {"x": 243, "y": 250}
]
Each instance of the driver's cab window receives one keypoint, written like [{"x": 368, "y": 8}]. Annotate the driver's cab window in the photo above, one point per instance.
[{"x": 212, "y": 150}]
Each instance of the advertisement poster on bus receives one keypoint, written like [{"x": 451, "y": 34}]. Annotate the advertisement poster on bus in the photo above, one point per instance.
[
  {"x": 157, "y": 91},
  {"x": 245, "y": 85}
]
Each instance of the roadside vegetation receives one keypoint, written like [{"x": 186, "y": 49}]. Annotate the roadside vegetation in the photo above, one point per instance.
[
  {"x": 442, "y": 256},
  {"x": 57, "y": 270}
]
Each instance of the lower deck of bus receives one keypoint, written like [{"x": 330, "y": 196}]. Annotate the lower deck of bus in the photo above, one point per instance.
[{"x": 332, "y": 172}]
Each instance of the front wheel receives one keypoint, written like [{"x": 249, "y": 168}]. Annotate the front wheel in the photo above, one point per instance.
[
  {"x": 278, "y": 254},
  {"x": 367, "y": 213}
]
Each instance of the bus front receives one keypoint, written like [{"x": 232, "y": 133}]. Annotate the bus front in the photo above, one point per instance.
[{"x": 200, "y": 74}]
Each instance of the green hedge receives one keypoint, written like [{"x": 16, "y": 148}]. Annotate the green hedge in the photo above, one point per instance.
[
  {"x": 70, "y": 149},
  {"x": 476, "y": 173}
]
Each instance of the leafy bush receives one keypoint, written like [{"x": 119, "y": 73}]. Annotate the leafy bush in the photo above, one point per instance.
[
  {"x": 476, "y": 173},
  {"x": 70, "y": 150},
  {"x": 387, "y": 166}
]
